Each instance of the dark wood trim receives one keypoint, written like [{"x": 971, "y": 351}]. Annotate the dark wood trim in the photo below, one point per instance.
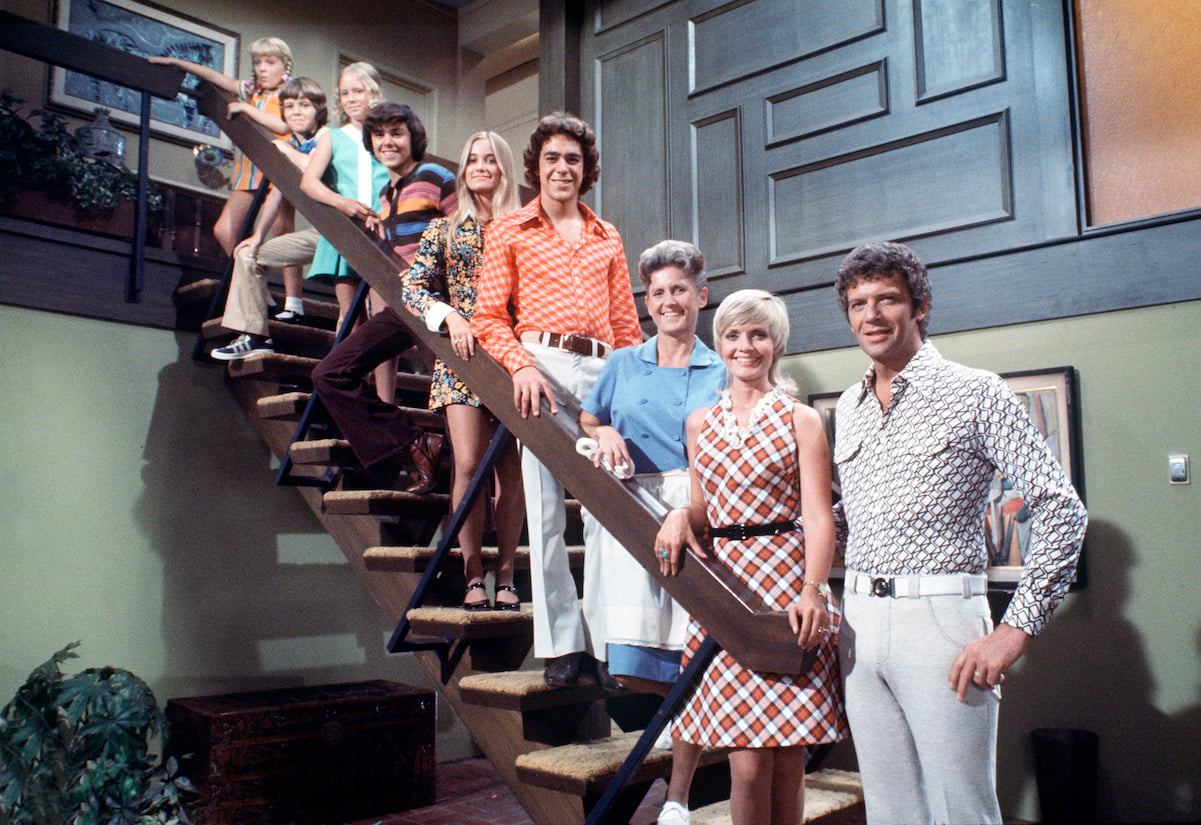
[
  {"x": 560, "y": 28},
  {"x": 60, "y": 48}
]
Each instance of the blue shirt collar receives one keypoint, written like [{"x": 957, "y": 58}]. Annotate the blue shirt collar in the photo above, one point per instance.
[{"x": 701, "y": 356}]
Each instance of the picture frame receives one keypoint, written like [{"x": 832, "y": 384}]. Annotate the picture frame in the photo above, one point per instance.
[
  {"x": 145, "y": 30},
  {"x": 1051, "y": 398}
]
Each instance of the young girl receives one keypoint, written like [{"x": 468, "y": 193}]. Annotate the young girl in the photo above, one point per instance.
[
  {"x": 304, "y": 110},
  {"x": 758, "y": 460},
  {"x": 258, "y": 99},
  {"x": 451, "y": 253},
  {"x": 357, "y": 180}
]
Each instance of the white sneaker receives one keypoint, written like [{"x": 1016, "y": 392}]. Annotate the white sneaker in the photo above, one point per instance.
[
  {"x": 241, "y": 347},
  {"x": 673, "y": 813}
]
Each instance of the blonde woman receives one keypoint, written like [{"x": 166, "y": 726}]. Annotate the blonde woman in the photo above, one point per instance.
[{"x": 450, "y": 255}]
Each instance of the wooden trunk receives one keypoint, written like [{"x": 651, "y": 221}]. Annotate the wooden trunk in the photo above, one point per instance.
[{"x": 331, "y": 753}]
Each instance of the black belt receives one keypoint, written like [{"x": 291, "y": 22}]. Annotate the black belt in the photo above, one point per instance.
[{"x": 746, "y": 531}]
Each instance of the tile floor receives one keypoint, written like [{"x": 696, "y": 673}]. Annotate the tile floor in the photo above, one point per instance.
[{"x": 470, "y": 792}]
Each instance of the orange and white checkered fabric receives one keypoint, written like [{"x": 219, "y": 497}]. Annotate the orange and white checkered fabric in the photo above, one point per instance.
[
  {"x": 749, "y": 476},
  {"x": 534, "y": 281}
]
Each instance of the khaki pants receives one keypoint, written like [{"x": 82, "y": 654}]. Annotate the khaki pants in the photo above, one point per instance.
[{"x": 246, "y": 306}]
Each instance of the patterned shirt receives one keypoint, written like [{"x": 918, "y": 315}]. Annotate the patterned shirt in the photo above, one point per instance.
[
  {"x": 534, "y": 281},
  {"x": 915, "y": 478},
  {"x": 409, "y": 203}
]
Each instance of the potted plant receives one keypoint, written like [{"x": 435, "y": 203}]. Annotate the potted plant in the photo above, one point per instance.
[
  {"x": 76, "y": 751},
  {"x": 43, "y": 166}
]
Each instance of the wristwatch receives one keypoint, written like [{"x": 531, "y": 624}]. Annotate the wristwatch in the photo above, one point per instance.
[{"x": 821, "y": 587}]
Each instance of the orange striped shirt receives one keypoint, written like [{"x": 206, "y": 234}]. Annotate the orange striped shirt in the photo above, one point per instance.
[{"x": 532, "y": 280}]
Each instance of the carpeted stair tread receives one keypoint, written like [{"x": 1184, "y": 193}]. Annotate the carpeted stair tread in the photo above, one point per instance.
[
  {"x": 457, "y": 623},
  {"x": 381, "y": 502},
  {"x": 281, "y": 333},
  {"x": 832, "y": 797},
  {"x": 416, "y": 559},
  {"x": 202, "y": 289},
  {"x": 281, "y": 365},
  {"x": 586, "y": 768},
  {"x": 289, "y": 406},
  {"x": 334, "y": 452},
  {"x": 525, "y": 690}
]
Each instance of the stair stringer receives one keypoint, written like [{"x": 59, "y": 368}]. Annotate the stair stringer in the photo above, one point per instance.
[{"x": 497, "y": 732}]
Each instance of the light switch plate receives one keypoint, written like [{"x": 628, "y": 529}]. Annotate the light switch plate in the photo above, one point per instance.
[{"x": 1178, "y": 471}]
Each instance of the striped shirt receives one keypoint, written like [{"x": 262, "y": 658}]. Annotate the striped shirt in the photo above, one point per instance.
[
  {"x": 246, "y": 175},
  {"x": 551, "y": 286},
  {"x": 408, "y": 204}
]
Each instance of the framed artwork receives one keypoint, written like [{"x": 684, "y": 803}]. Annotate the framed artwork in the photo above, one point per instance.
[
  {"x": 1051, "y": 400},
  {"x": 144, "y": 30}
]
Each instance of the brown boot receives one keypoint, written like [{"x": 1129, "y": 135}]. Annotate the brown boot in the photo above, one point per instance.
[{"x": 426, "y": 454}]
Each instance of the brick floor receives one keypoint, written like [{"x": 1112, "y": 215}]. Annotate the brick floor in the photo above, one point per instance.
[{"x": 470, "y": 792}]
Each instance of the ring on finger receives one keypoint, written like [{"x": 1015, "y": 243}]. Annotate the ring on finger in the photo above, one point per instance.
[{"x": 663, "y": 552}]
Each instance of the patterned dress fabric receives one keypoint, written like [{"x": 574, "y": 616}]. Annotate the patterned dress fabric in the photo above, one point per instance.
[
  {"x": 749, "y": 476},
  {"x": 459, "y": 264}
]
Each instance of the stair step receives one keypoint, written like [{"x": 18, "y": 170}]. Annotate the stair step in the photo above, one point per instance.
[
  {"x": 382, "y": 503},
  {"x": 416, "y": 559},
  {"x": 333, "y": 452},
  {"x": 831, "y": 797},
  {"x": 584, "y": 769},
  {"x": 280, "y": 332},
  {"x": 203, "y": 289},
  {"x": 525, "y": 690},
  {"x": 289, "y": 406},
  {"x": 457, "y": 623},
  {"x": 279, "y": 365}
]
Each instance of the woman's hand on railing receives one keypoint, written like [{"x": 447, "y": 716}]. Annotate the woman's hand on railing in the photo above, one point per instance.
[
  {"x": 674, "y": 535},
  {"x": 461, "y": 339},
  {"x": 809, "y": 618}
]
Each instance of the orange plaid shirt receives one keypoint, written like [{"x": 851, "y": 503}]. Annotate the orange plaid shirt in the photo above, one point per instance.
[{"x": 533, "y": 281}]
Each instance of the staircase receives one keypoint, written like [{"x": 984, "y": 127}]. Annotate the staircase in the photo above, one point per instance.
[{"x": 552, "y": 746}]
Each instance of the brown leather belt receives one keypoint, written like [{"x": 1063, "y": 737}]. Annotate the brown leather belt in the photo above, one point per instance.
[{"x": 578, "y": 344}]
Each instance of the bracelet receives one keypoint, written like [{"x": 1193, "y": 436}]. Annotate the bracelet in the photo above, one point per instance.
[{"x": 821, "y": 587}]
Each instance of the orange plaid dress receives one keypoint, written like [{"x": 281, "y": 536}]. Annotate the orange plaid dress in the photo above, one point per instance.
[{"x": 749, "y": 476}]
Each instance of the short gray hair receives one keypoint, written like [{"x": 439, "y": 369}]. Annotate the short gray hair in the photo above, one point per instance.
[{"x": 673, "y": 253}]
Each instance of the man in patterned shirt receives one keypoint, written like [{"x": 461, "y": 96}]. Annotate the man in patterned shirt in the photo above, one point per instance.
[
  {"x": 554, "y": 300},
  {"x": 918, "y": 442}
]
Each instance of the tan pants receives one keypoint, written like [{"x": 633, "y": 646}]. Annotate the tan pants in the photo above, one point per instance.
[{"x": 246, "y": 306}]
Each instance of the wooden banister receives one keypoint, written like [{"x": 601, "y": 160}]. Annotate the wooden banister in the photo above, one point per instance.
[{"x": 736, "y": 617}]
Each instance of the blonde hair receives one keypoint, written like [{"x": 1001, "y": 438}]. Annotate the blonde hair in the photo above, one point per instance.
[
  {"x": 274, "y": 47},
  {"x": 504, "y": 199},
  {"x": 371, "y": 79},
  {"x": 755, "y": 306}
]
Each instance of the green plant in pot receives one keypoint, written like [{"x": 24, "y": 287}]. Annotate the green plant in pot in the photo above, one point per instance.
[
  {"x": 47, "y": 158},
  {"x": 76, "y": 751}
]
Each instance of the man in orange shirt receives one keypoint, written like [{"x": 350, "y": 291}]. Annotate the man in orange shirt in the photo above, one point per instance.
[{"x": 555, "y": 299}]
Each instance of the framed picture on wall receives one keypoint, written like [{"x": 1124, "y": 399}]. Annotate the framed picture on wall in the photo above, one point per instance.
[
  {"x": 144, "y": 30},
  {"x": 1050, "y": 398}
]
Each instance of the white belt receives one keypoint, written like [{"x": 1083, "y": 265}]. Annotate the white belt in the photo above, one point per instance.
[{"x": 964, "y": 585}]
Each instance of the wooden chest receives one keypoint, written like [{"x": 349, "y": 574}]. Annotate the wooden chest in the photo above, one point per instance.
[{"x": 313, "y": 755}]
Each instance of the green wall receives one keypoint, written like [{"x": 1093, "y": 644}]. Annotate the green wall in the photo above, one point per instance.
[
  {"x": 1123, "y": 656},
  {"x": 140, "y": 516}
]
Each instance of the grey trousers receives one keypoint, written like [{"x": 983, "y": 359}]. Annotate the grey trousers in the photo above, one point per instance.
[{"x": 924, "y": 756}]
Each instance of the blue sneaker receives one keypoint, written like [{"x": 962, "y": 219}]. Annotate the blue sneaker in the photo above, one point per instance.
[{"x": 241, "y": 347}]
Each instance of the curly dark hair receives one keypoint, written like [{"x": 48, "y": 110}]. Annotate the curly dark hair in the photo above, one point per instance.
[
  {"x": 561, "y": 123},
  {"x": 385, "y": 113},
  {"x": 876, "y": 261}
]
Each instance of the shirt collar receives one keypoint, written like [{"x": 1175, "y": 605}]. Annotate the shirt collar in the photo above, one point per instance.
[
  {"x": 701, "y": 355},
  {"x": 918, "y": 372},
  {"x": 531, "y": 214}
]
